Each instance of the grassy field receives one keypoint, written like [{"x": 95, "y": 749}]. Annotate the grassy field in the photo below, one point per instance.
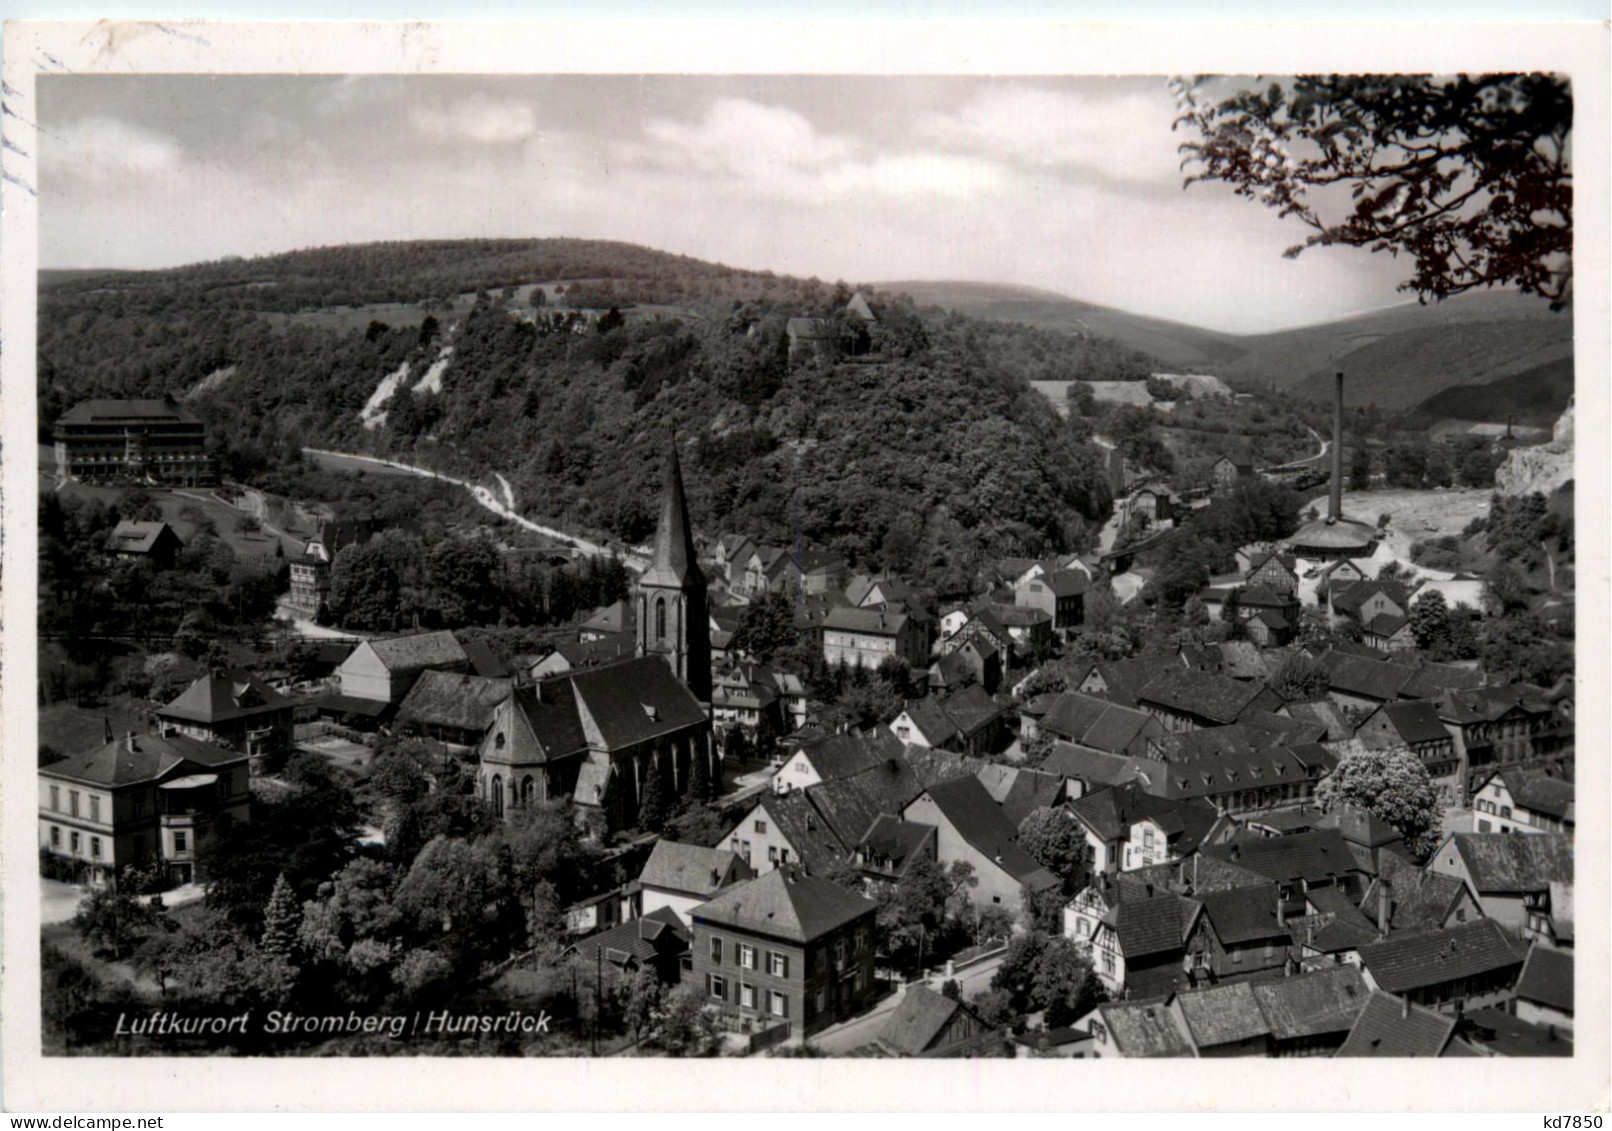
[
  {"x": 1418, "y": 515},
  {"x": 248, "y": 546}
]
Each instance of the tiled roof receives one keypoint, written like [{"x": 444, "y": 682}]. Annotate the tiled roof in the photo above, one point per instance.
[
  {"x": 932, "y": 722},
  {"x": 1232, "y": 773},
  {"x": 1390, "y": 1026},
  {"x": 1223, "y": 1015},
  {"x": 931, "y": 765},
  {"x": 1110, "y": 813},
  {"x": 218, "y": 698},
  {"x": 661, "y": 932},
  {"x": 1547, "y": 978},
  {"x": 1308, "y": 1005},
  {"x": 1418, "y": 900},
  {"x": 1386, "y": 624},
  {"x": 483, "y": 661},
  {"x": 139, "y": 758},
  {"x": 970, "y": 709},
  {"x": 1242, "y": 659},
  {"x": 1153, "y": 924},
  {"x": 1369, "y": 679},
  {"x": 980, "y": 821},
  {"x": 583, "y": 654},
  {"x": 1415, "y": 720},
  {"x": 1505, "y": 862},
  {"x": 1126, "y": 678},
  {"x": 1311, "y": 856},
  {"x": 1031, "y": 790},
  {"x": 785, "y": 903},
  {"x": 690, "y": 868},
  {"x": 915, "y": 1023},
  {"x": 1203, "y": 694},
  {"x": 1486, "y": 704},
  {"x": 1542, "y": 794},
  {"x": 1502, "y": 1034},
  {"x": 1244, "y": 915},
  {"x": 448, "y": 699},
  {"x": 799, "y": 822},
  {"x": 849, "y": 805},
  {"x": 1431, "y": 680},
  {"x": 1324, "y": 712},
  {"x": 633, "y": 701},
  {"x": 1333, "y": 901},
  {"x": 892, "y": 839},
  {"x": 421, "y": 650},
  {"x": 1360, "y": 826},
  {"x": 1091, "y": 767},
  {"x": 1409, "y": 962},
  {"x": 868, "y": 622},
  {"x": 1145, "y": 1029},
  {"x": 841, "y": 755},
  {"x": 107, "y": 410},
  {"x": 138, "y": 537}
]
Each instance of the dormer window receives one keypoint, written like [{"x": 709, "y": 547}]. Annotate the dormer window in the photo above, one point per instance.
[{"x": 652, "y": 711}]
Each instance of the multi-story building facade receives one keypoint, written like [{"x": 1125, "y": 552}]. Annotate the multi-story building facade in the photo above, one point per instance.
[
  {"x": 133, "y": 441},
  {"x": 787, "y": 948}
]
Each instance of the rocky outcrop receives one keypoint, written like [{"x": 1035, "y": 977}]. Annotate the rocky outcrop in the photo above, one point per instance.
[{"x": 1542, "y": 468}]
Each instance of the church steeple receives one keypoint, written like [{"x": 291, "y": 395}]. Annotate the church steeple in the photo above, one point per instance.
[{"x": 673, "y": 620}]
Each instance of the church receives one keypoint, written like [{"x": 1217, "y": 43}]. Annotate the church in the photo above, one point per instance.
[{"x": 596, "y": 734}]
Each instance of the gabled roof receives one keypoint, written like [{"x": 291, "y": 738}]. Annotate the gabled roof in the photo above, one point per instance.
[
  {"x": 1240, "y": 659},
  {"x": 1369, "y": 679},
  {"x": 970, "y": 709},
  {"x": 1145, "y": 1029},
  {"x": 483, "y": 661},
  {"x": 585, "y": 654},
  {"x": 417, "y": 652},
  {"x": 1308, "y": 1005},
  {"x": 889, "y": 586},
  {"x": 1391, "y": 1026},
  {"x": 842, "y": 755},
  {"x": 964, "y": 802},
  {"x": 111, "y": 410},
  {"x": 448, "y": 699},
  {"x": 785, "y": 903},
  {"x": 1429, "y": 681},
  {"x": 1125, "y": 679},
  {"x": 867, "y": 621},
  {"x": 1098, "y": 723},
  {"x": 1312, "y": 856},
  {"x": 1486, "y": 704},
  {"x": 799, "y": 822},
  {"x": 1547, "y": 978},
  {"x": 1214, "y": 775},
  {"x": 139, "y": 537},
  {"x": 1323, "y": 712},
  {"x": 893, "y": 839},
  {"x": 849, "y": 805},
  {"x": 690, "y": 869},
  {"x": 1245, "y": 915},
  {"x": 660, "y": 933},
  {"x": 1418, "y": 900},
  {"x": 1505, "y": 862},
  {"x": 1223, "y": 1015},
  {"x": 1539, "y": 793},
  {"x": 140, "y": 758},
  {"x": 931, "y": 765},
  {"x": 219, "y": 698},
  {"x": 1386, "y": 624},
  {"x": 1110, "y": 813},
  {"x": 1414, "y": 961},
  {"x": 1202, "y": 694},
  {"x": 1154, "y": 924},
  {"x": 1414, "y": 720},
  {"x": 633, "y": 701},
  {"x": 932, "y": 722},
  {"x": 1091, "y": 767},
  {"x": 1360, "y": 826},
  {"x": 921, "y": 1017},
  {"x": 1031, "y": 790}
]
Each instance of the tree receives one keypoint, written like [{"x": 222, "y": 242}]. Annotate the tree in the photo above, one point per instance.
[
  {"x": 113, "y": 920},
  {"x": 463, "y": 583},
  {"x": 282, "y": 920},
  {"x": 1394, "y": 786},
  {"x": 1055, "y": 840},
  {"x": 1299, "y": 679},
  {"x": 1467, "y": 175},
  {"x": 701, "y": 785},
  {"x": 1062, "y": 982},
  {"x": 365, "y": 591},
  {"x": 1042, "y": 908},
  {"x": 1016, "y": 972},
  {"x": 685, "y": 1027},
  {"x": 767, "y": 627},
  {"x": 1430, "y": 624},
  {"x": 654, "y": 804},
  {"x": 643, "y": 1005}
]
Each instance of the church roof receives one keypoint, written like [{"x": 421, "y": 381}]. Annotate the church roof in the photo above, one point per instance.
[{"x": 675, "y": 563}]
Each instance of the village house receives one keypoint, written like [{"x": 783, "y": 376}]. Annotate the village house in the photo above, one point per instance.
[
  {"x": 1275, "y": 571},
  {"x": 784, "y": 829},
  {"x": 154, "y": 542},
  {"x": 133, "y": 441},
  {"x": 1469, "y": 966},
  {"x": 732, "y": 554},
  {"x": 1522, "y": 801},
  {"x": 1127, "y": 828},
  {"x": 1269, "y": 617},
  {"x": 680, "y": 877},
  {"x": 142, "y": 800},
  {"x": 1246, "y": 935},
  {"x": 1298, "y": 863},
  {"x": 983, "y": 624},
  {"x": 1142, "y": 940},
  {"x": 872, "y": 590},
  {"x": 1405, "y": 898},
  {"x": 976, "y": 661},
  {"x": 1137, "y": 1029},
  {"x": 1226, "y": 471},
  {"x": 1493, "y": 726},
  {"x": 1362, "y": 601},
  {"x": 1394, "y": 1027},
  {"x": 1510, "y": 876},
  {"x": 658, "y": 941},
  {"x": 1097, "y": 724},
  {"x": 453, "y": 707},
  {"x": 1029, "y": 629},
  {"x": 867, "y": 637},
  {"x": 891, "y": 846},
  {"x": 570, "y": 655},
  {"x": 786, "y": 947},
  {"x": 1152, "y": 505},
  {"x": 236, "y": 711},
  {"x": 608, "y": 622},
  {"x": 833, "y": 757},
  {"x": 972, "y": 828},
  {"x": 1061, "y": 595},
  {"x": 968, "y": 721},
  {"x": 1188, "y": 700},
  {"x": 1388, "y": 632},
  {"x": 594, "y": 734},
  {"x": 1085, "y": 771},
  {"x": 311, "y": 571},
  {"x": 379, "y": 673},
  {"x": 743, "y": 695},
  {"x": 1239, "y": 782},
  {"x": 1119, "y": 681},
  {"x": 1543, "y": 994},
  {"x": 1414, "y": 725},
  {"x": 930, "y": 1024}
]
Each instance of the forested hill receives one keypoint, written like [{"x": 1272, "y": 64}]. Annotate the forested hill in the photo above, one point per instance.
[{"x": 917, "y": 445}]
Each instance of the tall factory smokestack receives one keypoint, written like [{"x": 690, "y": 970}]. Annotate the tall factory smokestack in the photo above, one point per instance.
[{"x": 1335, "y": 499}]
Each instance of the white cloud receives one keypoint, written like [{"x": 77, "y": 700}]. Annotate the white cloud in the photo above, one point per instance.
[
  {"x": 1128, "y": 136},
  {"x": 478, "y": 118},
  {"x": 103, "y": 148}
]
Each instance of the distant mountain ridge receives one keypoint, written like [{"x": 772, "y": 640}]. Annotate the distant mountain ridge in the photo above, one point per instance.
[{"x": 1510, "y": 346}]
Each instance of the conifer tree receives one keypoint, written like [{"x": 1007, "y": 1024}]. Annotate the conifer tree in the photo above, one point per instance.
[{"x": 282, "y": 919}]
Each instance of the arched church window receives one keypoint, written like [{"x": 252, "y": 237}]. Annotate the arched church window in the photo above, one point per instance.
[
  {"x": 660, "y": 618},
  {"x": 498, "y": 795}
]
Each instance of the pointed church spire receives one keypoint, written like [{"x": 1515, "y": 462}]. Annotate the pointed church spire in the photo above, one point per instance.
[{"x": 675, "y": 563}]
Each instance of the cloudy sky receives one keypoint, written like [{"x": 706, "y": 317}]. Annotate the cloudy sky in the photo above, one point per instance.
[{"x": 1072, "y": 185}]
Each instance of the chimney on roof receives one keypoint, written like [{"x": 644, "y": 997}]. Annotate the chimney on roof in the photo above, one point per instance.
[{"x": 129, "y": 743}]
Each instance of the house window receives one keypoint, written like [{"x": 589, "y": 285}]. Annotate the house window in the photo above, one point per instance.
[
  {"x": 747, "y": 996},
  {"x": 75, "y": 843},
  {"x": 716, "y": 948},
  {"x": 55, "y": 799},
  {"x": 820, "y": 1001},
  {"x": 72, "y": 801},
  {"x": 95, "y": 848},
  {"x": 783, "y": 856},
  {"x": 1460, "y": 914},
  {"x": 95, "y": 808},
  {"x": 181, "y": 841},
  {"x": 1098, "y": 1031},
  {"x": 777, "y": 964},
  {"x": 746, "y": 851},
  {"x": 761, "y": 828},
  {"x": 777, "y": 1004},
  {"x": 839, "y": 950},
  {"x": 772, "y": 854},
  {"x": 55, "y": 837},
  {"x": 718, "y": 986},
  {"x": 747, "y": 957},
  {"x": 1108, "y": 962}
]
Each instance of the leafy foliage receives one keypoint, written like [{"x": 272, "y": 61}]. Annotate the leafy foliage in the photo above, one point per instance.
[{"x": 1392, "y": 785}]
